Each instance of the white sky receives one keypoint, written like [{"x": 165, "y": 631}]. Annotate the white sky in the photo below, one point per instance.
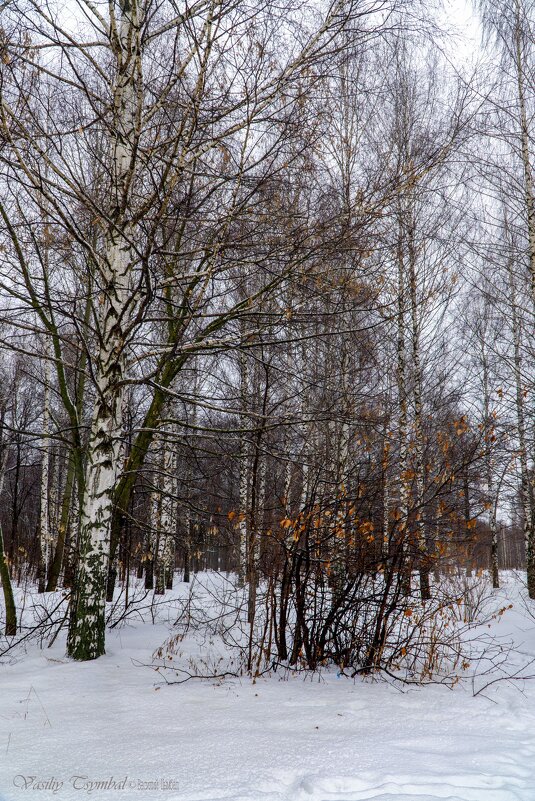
[{"x": 459, "y": 16}]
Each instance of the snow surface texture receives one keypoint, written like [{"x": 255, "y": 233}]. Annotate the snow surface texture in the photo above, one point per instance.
[{"x": 332, "y": 739}]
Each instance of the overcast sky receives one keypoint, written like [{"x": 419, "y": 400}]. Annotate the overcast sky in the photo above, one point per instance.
[{"x": 459, "y": 15}]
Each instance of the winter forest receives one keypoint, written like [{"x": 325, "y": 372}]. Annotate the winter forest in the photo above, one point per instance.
[{"x": 267, "y": 399}]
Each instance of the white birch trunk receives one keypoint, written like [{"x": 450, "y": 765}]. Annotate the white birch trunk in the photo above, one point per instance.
[
  {"x": 340, "y": 534},
  {"x": 167, "y": 522},
  {"x": 87, "y": 631},
  {"x": 491, "y": 492},
  {"x": 44, "y": 533},
  {"x": 529, "y": 198},
  {"x": 417, "y": 408},
  {"x": 526, "y": 489},
  {"x": 287, "y": 484}
]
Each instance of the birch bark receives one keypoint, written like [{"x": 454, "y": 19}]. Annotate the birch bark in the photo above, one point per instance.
[
  {"x": 167, "y": 519},
  {"x": 87, "y": 628},
  {"x": 423, "y": 557},
  {"x": 526, "y": 487},
  {"x": 44, "y": 533},
  {"x": 528, "y": 490}
]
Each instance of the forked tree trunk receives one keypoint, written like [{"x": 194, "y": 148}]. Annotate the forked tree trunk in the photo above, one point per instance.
[{"x": 87, "y": 628}]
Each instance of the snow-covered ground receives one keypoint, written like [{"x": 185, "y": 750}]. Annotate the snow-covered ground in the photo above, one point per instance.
[{"x": 65, "y": 726}]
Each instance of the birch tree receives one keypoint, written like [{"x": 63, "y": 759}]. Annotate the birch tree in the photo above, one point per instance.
[
  {"x": 151, "y": 160},
  {"x": 509, "y": 28}
]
